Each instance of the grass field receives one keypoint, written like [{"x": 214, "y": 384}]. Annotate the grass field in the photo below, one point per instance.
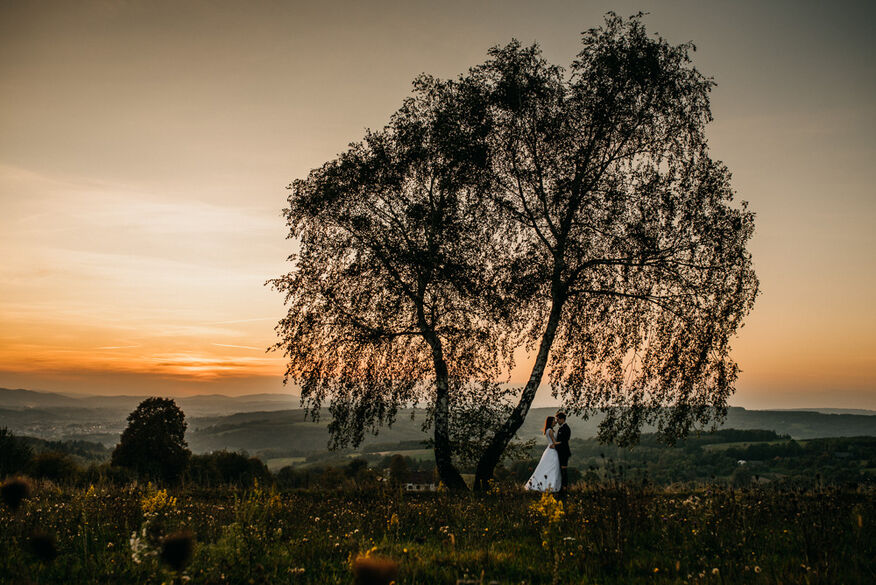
[
  {"x": 416, "y": 454},
  {"x": 278, "y": 463},
  {"x": 610, "y": 535},
  {"x": 742, "y": 445}
]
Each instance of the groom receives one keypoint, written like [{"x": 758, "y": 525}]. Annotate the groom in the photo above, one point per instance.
[{"x": 563, "y": 435}]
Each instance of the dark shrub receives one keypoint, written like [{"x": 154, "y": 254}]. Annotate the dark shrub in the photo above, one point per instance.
[{"x": 54, "y": 465}]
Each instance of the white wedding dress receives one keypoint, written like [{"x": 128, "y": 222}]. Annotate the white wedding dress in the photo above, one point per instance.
[{"x": 546, "y": 477}]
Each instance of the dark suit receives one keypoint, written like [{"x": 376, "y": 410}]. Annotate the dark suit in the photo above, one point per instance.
[{"x": 563, "y": 435}]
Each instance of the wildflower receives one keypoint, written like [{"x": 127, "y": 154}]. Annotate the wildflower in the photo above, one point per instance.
[
  {"x": 177, "y": 549},
  {"x": 139, "y": 545},
  {"x": 756, "y": 569},
  {"x": 43, "y": 546},
  {"x": 154, "y": 502},
  {"x": 549, "y": 508},
  {"x": 715, "y": 571},
  {"x": 14, "y": 492}
]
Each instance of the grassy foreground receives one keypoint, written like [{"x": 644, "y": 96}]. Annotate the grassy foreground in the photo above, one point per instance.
[{"x": 606, "y": 535}]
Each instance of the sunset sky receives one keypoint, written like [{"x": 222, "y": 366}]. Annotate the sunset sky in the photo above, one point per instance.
[{"x": 145, "y": 147}]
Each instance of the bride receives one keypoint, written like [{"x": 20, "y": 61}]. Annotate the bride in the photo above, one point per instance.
[{"x": 546, "y": 476}]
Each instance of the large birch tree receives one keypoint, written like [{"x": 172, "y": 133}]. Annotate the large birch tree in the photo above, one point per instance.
[
  {"x": 390, "y": 302},
  {"x": 636, "y": 274},
  {"x": 577, "y": 213}
]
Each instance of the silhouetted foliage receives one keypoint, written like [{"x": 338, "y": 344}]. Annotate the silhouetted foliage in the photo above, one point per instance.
[
  {"x": 227, "y": 467},
  {"x": 398, "y": 470},
  {"x": 106, "y": 473},
  {"x": 390, "y": 299},
  {"x": 634, "y": 274},
  {"x": 576, "y": 213},
  {"x": 154, "y": 443},
  {"x": 355, "y": 467},
  {"x": 474, "y": 417},
  {"x": 79, "y": 449},
  {"x": 54, "y": 465},
  {"x": 15, "y": 454}
]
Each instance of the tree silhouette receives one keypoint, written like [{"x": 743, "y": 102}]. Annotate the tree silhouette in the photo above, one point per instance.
[
  {"x": 578, "y": 214},
  {"x": 635, "y": 274},
  {"x": 154, "y": 443},
  {"x": 398, "y": 470},
  {"x": 15, "y": 455},
  {"x": 391, "y": 299}
]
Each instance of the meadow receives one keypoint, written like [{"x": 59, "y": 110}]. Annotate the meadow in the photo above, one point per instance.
[{"x": 604, "y": 533}]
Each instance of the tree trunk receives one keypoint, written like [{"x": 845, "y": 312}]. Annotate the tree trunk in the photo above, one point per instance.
[
  {"x": 493, "y": 453},
  {"x": 448, "y": 473}
]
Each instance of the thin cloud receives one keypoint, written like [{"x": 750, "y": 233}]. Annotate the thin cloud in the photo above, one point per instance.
[
  {"x": 240, "y": 346},
  {"x": 241, "y": 321},
  {"x": 117, "y": 347}
]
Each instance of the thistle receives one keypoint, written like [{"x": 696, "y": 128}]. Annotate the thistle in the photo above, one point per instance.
[
  {"x": 43, "y": 545},
  {"x": 368, "y": 570},
  {"x": 14, "y": 492},
  {"x": 177, "y": 548}
]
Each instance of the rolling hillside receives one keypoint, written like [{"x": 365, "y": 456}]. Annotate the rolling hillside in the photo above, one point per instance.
[{"x": 267, "y": 423}]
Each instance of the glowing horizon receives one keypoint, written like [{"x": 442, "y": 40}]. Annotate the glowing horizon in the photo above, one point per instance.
[{"x": 144, "y": 151}]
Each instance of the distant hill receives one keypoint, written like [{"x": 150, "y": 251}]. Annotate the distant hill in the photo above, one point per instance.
[
  {"x": 831, "y": 410},
  {"x": 797, "y": 424},
  {"x": 271, "y": 422},
  {"x": 199, "y": 405},
  {"x": 55, "y": 416},
  {"x": 20, "y": 398},
  {"x": 285, "y": 431},
  {"x": 289, "y": 432}
]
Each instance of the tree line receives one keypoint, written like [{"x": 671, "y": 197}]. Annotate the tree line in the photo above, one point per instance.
[{"x": 156, "y": 432}]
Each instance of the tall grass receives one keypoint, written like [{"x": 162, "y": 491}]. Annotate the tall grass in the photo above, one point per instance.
[{"x": 604, "y": 534}]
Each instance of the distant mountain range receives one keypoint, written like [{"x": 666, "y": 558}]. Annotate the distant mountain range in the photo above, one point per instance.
[
  {"x": 273, "y": 423},
  {"x": 199, "y": 405}
]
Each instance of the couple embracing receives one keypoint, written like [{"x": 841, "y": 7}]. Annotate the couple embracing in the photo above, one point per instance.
[{"x": 551, "y": 474}]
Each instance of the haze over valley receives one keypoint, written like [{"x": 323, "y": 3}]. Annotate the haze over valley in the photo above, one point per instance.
[{"x": 273, "y": 425}]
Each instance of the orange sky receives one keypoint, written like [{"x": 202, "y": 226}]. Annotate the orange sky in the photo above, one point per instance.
[{"x": 144, "y": 150}]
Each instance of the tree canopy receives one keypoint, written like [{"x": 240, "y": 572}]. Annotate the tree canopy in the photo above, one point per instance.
[
  {"x": 577, "y": 213},
  {"x": 153, "y": 444}
]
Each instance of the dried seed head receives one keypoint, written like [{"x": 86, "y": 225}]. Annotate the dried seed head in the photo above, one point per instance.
[
  {"x": 43, "y": 545},
  {"x": 177, "y": 548},
  {"x": 14, "y": 492},
  {"x": 374, "y": 571}
]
